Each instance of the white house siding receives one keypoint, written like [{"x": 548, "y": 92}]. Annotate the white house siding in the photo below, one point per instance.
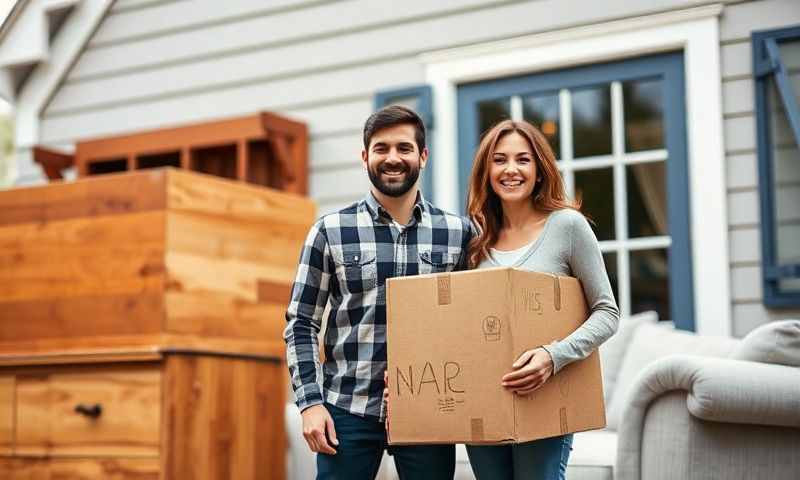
[
  {"x": 737, "y": 23},
  {"x": 154, "y": 63}
]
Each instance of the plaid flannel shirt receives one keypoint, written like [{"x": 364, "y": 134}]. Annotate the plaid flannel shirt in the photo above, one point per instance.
[{"x": 344, "y": 264}]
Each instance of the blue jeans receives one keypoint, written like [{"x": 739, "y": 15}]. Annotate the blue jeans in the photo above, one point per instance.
[
  {"x": 544, "y": 459},
  {"x": 361, "y": 446}
]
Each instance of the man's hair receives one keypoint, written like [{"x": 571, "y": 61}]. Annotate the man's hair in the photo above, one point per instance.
[{"x": 391, "y": 116}]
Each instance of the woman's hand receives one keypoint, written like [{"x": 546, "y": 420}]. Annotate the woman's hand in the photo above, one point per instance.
[{"x": 531, "y": 370}]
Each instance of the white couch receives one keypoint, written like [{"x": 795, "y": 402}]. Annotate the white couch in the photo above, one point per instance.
[{"x": 640, "y": 342}]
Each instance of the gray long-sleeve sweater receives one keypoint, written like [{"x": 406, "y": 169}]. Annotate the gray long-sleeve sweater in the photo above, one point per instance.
[{"x": 568, "y": 246}]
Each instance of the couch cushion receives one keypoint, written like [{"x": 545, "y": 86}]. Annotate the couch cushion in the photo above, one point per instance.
[
  {"x": 651, "y": 342},
  {"x": 613, "y": 350},
  {"x": 774, "y": 342}
]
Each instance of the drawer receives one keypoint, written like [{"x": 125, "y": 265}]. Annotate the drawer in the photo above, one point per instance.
[
  {"x": 79, "y": 469},
  {"x": 97, "y": 411}
]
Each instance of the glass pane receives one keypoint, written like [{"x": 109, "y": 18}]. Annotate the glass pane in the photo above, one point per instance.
[
  {"x": 647, "y": 199},
  {"x": 650, "y": 282},
  {"x": 644, "y": 115},
  {"x": 492, "y": 111},
  {"x": 610, "y": 259},
  {"x": 595, "y": 188},
  {"x": 543, "y": 111},
  {"x": 591, "y": 121}
]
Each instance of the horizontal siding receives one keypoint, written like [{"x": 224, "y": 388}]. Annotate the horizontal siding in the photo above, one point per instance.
[
  {"x": 750, "y": 315},
  {"x": 347, "y": 181},
  {"x": 126, "y": 23},
  {"x": 739, "y": 20},
  {"x": 258, "y": 31},
  {"x": 736, "y": 25},
  {"x": 742, "y": 171},
  {"x": 353, "y": 48},
  {"x": 745, "y": 245},
  {"x": 303, "y": 93}
]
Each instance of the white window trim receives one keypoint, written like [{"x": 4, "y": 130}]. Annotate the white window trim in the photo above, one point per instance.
[{"x": 696, "y": 32}]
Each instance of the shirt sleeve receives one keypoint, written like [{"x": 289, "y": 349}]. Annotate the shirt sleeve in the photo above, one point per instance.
[
  {"x": 467, "y": 233},
  {"x": 586, "y": 263},
  {"x": 304, "y": 318}
]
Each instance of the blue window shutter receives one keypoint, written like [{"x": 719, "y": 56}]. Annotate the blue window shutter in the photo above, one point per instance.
[
  {"x": 768, "y": 65},
  {"x": 420, "y": 99}
]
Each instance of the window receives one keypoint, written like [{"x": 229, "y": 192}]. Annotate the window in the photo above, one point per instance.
[
  {"x": 776, "y": 65},
  {"x": 618, "y": 131},
  {"x": 419, "y": 99}
]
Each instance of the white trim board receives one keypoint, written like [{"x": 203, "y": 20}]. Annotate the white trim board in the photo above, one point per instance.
[{"x": 695, "y": 31}]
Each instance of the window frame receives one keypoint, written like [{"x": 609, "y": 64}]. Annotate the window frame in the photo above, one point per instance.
[{"x": 767, "y": 64}]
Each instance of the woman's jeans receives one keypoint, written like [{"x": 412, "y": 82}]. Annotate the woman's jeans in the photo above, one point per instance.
[{"x": 544, "y": 459}]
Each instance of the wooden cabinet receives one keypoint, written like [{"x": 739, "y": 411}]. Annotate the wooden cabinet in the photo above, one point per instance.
[{"x": 141, "y": 319}]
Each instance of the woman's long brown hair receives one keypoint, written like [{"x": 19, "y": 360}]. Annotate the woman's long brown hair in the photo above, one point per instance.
[{"x": 483, "y": 204}]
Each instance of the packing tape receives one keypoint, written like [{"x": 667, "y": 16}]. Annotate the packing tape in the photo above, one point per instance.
[
  {"x": 476, "y": 427},
  {"x": 562, "y": 413},
  {"x": 443, "y": 287},
  {"x": 557, "y": 293}
]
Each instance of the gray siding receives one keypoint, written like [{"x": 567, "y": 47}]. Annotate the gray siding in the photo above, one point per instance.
[
  {"x": 157, "y": 63},
  {"x": 737, "y": 22},
  {"x": 154, "y": 63}
]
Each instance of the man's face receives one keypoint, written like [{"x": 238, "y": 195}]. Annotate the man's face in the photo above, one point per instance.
[{"x": 393, "y": 160}]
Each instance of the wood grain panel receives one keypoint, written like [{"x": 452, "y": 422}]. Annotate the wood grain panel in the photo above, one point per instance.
[
  {"x": 224, "y": 419},
  {"x": 198, "y": 274},
  {"x": 79, "y": 257},
  {"x": 47, "y": 423},
  {"x": 7, "y": 385},
  {"x": 102, "y": 195},
  {"x": 222, "y": 315},
  {"x": 75, "y": 317},
  {"x": 236, "y": 201},
  {"x": 233, "y": 239},
  {"x": 80, "y": 469}
]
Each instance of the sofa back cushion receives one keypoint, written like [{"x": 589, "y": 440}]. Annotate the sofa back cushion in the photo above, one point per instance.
[
  {"x": 612, "y": 352},
  {"x": 654, "y": 341},
  {"x": 774, "y": 342}
]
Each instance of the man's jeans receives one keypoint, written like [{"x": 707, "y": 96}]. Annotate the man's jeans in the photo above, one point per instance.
[{"x": 360, "y": 450}]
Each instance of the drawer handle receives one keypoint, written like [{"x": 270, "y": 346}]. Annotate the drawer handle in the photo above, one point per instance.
[{"x": 91, "y": 411}]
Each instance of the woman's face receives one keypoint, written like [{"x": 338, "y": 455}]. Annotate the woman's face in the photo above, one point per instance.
[{"x": 512, "y": 169}]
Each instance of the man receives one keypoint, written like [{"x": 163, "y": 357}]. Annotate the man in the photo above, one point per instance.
[{"x": 345, "y": 262}]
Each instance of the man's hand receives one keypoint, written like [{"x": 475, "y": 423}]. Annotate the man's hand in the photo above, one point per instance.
[
  {"x": 318, "y": 428},
  {"x": 530, "y": 371}
]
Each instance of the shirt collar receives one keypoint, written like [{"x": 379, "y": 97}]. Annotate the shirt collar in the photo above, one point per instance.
[{"x": 378, "y": 212}]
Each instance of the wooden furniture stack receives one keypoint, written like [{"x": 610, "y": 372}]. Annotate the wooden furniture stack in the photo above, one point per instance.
[
  {"x": 263, "y": 149},
  {"x": 141, "y": 319}
]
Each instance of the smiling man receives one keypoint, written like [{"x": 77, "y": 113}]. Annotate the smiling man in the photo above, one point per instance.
[{"x": 345, "y": 262}]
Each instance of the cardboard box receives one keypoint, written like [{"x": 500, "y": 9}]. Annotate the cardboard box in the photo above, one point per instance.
[{"x": 451, "y": 337}]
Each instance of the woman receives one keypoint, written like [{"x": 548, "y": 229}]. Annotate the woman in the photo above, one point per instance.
[{"x": 524, "y": 220}]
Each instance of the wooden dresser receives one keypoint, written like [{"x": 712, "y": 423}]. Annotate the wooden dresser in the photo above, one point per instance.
[{"x": 141, "y": 319}]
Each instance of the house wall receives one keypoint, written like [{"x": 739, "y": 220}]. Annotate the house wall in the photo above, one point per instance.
[
  {"x": 736, "y": 24},
  {"x": 156, "y": 63}
]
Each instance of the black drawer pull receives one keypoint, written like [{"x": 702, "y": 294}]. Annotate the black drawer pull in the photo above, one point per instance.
[{"x": 91, "y": 411}]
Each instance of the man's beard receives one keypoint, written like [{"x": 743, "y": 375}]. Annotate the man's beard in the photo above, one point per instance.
[{"x": 393, "y": 189}]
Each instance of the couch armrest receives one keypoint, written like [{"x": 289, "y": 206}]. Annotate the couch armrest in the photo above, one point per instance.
[
  {"x": 719, "y": 389},
  {"x": 737, "y": 391}
]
